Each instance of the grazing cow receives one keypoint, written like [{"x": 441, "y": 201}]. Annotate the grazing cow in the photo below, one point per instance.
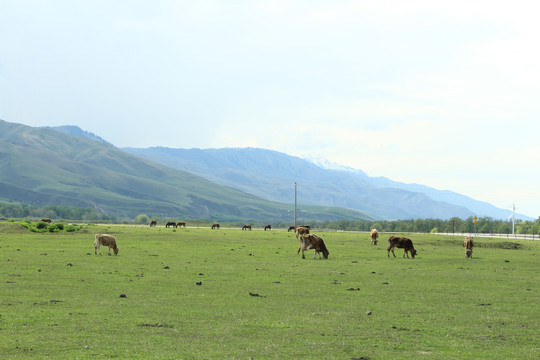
[
  {"x": 181, "y": 223},
  {"x": 374, "y": 236},
  {"x": 215, "y": 226},
  {"x": 312, "y": 241},
  {"x": 302, "y": 230},
  {"x": 401, "y": 243},
  {"x": 105, "y": 240},
  {"x": 171, "y": 223},
  {"x": 291, "y": 228},
  {"x": 153, "y": 223},
  {"x": 46, "y": 220},
  {"x": 246, "y": 227},
  {"x": 469, "y": 244},
  {"x": 267, "y": 227}
]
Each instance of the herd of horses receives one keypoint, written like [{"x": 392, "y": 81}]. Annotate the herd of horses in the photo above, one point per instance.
[
  {"x": 173, "y": 224},
  {"x": 308, "y": 241}
]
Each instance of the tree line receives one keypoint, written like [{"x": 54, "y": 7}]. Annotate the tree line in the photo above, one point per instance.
[
  {"x": 23, "y": 211},
  {"x": 484, "y": 225}
]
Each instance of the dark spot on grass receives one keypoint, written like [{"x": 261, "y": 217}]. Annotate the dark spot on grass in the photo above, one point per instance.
[
  {"x": 166, "y": 267},
  {"x": 353, "y": 289},
  {"x": 156, "y": 325},
  {"x": 198, "y": 283},
  {"x": 123, "y": 296},
  {"x": 400, "y": 329}
]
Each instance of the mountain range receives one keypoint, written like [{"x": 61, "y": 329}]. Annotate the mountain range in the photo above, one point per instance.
[
  {"x": 48, "y": 166},
  {"x": 271, "y": 174},
  {"x": 68, "y": 166}
]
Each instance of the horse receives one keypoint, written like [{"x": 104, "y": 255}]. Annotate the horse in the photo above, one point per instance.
[
  {"x": 105, "y": 240},
  {"x": 181, "y": 223},
  {"x": 170, "y": 223},
  {"x": 46, "y": 220},
  {"x": 153, "y": 223},
  {"x": 291, "y": 228},
  {"x": 246, "y": 227},
  {"x": 215, "y": 226},
  {"x": 267, "y": 227}
]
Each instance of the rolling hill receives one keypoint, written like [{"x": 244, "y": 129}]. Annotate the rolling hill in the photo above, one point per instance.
[{"x": 45, "y": 166}]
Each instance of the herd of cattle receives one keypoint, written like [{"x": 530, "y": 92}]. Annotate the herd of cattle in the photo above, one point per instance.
[{"x": 307, "y": 240}]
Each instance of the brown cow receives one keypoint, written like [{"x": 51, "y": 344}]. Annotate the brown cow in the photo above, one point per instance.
[
  {"x": 181, "y": 224},
  {"x": 246, "y": 227},
  {"x": 215, "y": 226},
  {"x": 105, "y": 240},
  {"x": 46, "y": 220},
  {"x": 374, "y": 236},
  {"x": 469, "y": 244},
  {"x": 153, "y": 223},
  {"x": 401, "y": 243},
  {"x": 312, "y": 241},
  {"x": 301, "y": 230}
]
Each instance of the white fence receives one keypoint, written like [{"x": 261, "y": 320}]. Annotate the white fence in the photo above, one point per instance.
[{"x": 498, "y": 236}]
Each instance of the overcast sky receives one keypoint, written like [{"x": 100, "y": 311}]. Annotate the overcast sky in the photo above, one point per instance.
[{"x": 440, "y": 93}]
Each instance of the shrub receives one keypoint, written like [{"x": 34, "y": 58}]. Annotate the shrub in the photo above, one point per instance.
[{"x": 41, "y": 225}]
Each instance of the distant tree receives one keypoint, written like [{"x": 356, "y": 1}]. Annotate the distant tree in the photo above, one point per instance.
[{"x": 142, "y": 219}]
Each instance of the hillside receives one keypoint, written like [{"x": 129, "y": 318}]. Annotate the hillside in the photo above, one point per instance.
[
  {"x": 269, "y": 174},
  {"x": 43, "y": 166}
]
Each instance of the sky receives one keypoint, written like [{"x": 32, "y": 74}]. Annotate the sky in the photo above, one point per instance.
[{"x": 439, "y": 93}]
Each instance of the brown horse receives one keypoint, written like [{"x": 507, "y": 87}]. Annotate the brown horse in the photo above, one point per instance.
[
  {"x": 267, "y": 227},
  {"x": 153, "y": 223},
  {"x": 291, "y": 228},
  {"x": 215, "y": 226},
  {"x": 46, "y": 220},
  {"x": 181, "y": 223},
  {"x": 246, "y": 227}
]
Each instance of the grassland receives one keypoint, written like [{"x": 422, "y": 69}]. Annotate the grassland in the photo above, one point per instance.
[{"x": 230, "y": 294}]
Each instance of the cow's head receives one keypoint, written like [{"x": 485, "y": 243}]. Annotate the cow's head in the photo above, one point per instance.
[
  {"x": 413, "y": 253},
  {"x": 115, "y": 249},
  {"x": 325, "y": 253}
]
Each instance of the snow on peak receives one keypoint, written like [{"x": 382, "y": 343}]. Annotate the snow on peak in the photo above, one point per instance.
[{"x": 330, "y": 165}]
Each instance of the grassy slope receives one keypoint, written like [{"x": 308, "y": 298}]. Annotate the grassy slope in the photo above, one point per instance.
[
  {"x": 438, "y": 305},
  {"x": 46, "y": 167}
]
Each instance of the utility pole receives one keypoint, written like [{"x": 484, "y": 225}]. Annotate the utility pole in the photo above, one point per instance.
[
  {"x": 295, "y": 198},
  {"x": 513, "y": 219}
]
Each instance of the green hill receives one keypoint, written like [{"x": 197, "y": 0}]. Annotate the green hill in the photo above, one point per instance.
[{"x": 42, "y": 166}]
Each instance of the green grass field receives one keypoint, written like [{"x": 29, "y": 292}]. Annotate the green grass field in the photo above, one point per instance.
[{"x": 230, "y": 294}]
